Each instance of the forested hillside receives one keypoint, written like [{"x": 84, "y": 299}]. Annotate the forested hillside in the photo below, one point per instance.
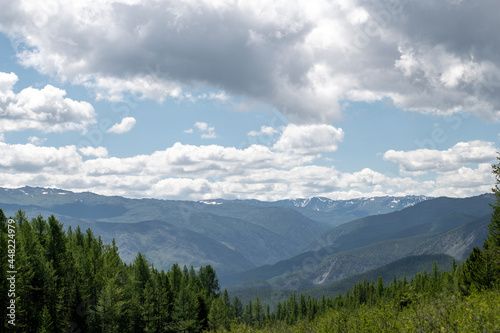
[
  {"x": 73, "y": 282},
  {"x": 230, "y": 236},
  {"x": 451, "y": 226}
]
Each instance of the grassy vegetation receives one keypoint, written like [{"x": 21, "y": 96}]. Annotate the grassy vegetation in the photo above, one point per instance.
[{"x": 479, "y": 312}]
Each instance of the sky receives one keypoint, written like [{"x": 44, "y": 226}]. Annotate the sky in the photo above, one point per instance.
[{"x": 268, "y": 100}]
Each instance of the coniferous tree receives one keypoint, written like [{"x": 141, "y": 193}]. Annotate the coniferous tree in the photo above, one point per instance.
[
  {"x": 237, "y": 309},
  {"x": 219, "y": 315},
  {"x": 491, "y": 245},
  {"x": 186, "y": 308},
  {"x": 4, "y": 285},
  {"x": 175, "y": 277},
  {"x": 248, "y": 314},
  {"x": 257, "y": 312},
  {"x": 110, "y": 307},
  {"x": 46, "y": 325},
  {"x": 380, "y": 287},
  {"x": 302, "y": 306}
]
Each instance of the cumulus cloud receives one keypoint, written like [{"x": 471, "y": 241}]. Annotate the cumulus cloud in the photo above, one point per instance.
[
  {"x": 45, "y": 110},
  {"x": 264, "y": 130},
  {"x": 125, "y": 125},
  {"x": 303, "y": 58},
  {"x": 94, "y": 151},
  {"x": 309, "y": 139},
  {"x": 33, "y": 159},
  {"x": 36, "y": 140},
  {"x": 463, "y": 153},
  {"x": 207, "y": 132},
  {"x": 213, "y": 171}
]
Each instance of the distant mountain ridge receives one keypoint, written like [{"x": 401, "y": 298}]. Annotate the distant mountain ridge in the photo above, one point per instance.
[
  {"x": 215, "y": 234},
  {"x": 335, "y": 212}
]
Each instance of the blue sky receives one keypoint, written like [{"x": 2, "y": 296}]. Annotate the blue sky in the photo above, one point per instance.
[{"x": 250, "y": 99}]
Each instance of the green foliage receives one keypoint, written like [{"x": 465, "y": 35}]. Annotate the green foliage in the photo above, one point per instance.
[
  {"x": 72, "y": 282},
  {"x": 482, "y": 267},
  {"x": 443, "y": 312}
]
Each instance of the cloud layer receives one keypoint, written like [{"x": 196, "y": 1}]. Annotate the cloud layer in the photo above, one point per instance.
[
  {"x": 424, "y": 160},
  {"x": 45, "y": 109},
  {"x": 304, "y": 58},
  {"x": 259, "y": 172}
]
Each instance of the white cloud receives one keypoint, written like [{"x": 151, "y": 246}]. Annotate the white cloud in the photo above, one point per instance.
[
  {"x": 221, "y": 96},
  {"x": 264, "y": 130},
  {"x": 423, "y": 160},
  {"x": 94, "y": 151},
  {"x": 212, "y": 171},
  {"x": 302, "y": 58},
  {"x": 466, "y": 178},
  {"x": 309, "y": 139},
  {"x": 45, "y": 110},
  {"x": 7, "y": 81},
  {"x": 36, "y": 140},
  {"x": 33, "y": 159},
  {"x": 207, "y": 132},
  {"x": 125, "y": 125}
]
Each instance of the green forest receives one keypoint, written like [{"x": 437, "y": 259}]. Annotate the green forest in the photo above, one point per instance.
[{"x": 52, "y": 280}]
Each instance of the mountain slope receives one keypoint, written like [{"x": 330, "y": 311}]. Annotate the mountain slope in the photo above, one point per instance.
[
  {"x": 403, "y": 223},
  {"x": 430, "y": 227},
  {"x": 457, "y": 243},
  {"x": 408, "y": 267},
  {"x": 155, "y": 238},
  {"x": 261, "y": 235}
]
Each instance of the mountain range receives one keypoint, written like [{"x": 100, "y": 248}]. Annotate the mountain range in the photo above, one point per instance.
[
  {"x": 448, "y": 226},
  {"x": 231, "y": 235}
]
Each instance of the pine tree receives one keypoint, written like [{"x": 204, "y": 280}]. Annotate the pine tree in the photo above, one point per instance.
[
  {"x": 248, "y": 314},
  {"x": 4, "y": 285},
  {"x": 279, "y": 312},
  {"x": 491, "y": 245},
  {"x": 237, "y": 309},
  {"x": 380, "y": 287},
  {"x": 302, "y": 306},
  {"x": 110, "y": 307},
  {"x": 175, "y": 277},
  {"x": 219, "y": 315},
  {"x": 481, "y": 270},
  {"x": 257, "y": 312},
  {"x": 31, "y": 264},
  {"x": 185, "y": 309},
  {"x": 141, "y": 274},
  {"x": 56, "y": 249},
  {"x": 46, "y": 325},
  {"x": 166, "y": 299},
  {"x": 151, "y": 309},
  {"x": 293, "y": 308},
  {"x": 209, "y": 282}
]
